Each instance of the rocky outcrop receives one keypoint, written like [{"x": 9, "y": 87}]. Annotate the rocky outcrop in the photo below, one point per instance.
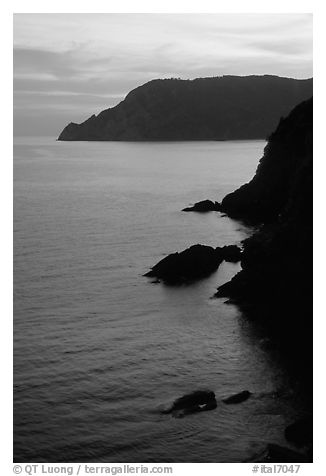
[
  {"x": 230, "y": 253},
  {"x": 219, "y": 108},
  {"x": 193, "y": 263},
  {"x": 275, "y": 283},
  {"x": 237, "y": 398},
  {"x": 203, "y": 207},
  {"x": 274, "y": 191},
  {"x": 198, "y": 401}
]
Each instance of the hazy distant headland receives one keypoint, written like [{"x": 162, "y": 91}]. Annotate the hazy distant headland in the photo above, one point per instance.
[{"x": 216, "y": 108}]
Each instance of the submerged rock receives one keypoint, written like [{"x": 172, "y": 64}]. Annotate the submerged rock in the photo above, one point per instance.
[
  {"x": 203, "y": 206},
  {"x": 237, "y": 398},
  {"x": 198, "y": 401},
  {"x": 193, "y": 263}
]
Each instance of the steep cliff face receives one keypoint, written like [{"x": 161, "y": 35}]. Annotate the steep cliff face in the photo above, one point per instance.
[
  {"x": 228, "y": 107},
  {"x": 286, "y": 157},
  {"x": 275, "y": 284}
]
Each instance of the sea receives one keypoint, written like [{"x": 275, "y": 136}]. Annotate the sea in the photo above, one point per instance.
[{"x": 99, "y": 349}]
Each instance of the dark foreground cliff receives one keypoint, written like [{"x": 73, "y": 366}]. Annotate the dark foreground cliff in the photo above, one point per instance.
[
  {"x": 275, "y": 284},
  {"x": 274, "y": 287},
  {"x": 219, "y": 108}
]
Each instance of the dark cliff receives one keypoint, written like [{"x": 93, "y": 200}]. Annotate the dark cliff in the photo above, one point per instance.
[
  {"x": 275, "y": 283},
  {"x": 275, "y": 186},
  {"x": 218, "y": 108}
]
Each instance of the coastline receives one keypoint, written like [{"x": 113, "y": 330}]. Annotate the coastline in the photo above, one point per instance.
[{"x": 279, "y": 200}]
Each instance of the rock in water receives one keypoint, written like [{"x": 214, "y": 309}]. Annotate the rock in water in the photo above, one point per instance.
[
  {"x": 237, "y": 398},
  {"x": 193, "y": 263},
  {"x": 198, "y": 401},
  {"x": 203, "y": 206}
]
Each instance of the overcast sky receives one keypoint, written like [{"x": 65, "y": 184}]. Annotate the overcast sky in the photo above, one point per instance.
[{"x": 69, "y": 66}]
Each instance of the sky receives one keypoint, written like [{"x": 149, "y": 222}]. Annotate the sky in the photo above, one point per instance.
[{"x": 70, "y": 66}]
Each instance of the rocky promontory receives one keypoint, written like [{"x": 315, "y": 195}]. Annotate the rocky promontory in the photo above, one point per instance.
[
  {"x": 216, "y": 108},
  {"x": 194, "y": 263},
  {"x": 203, "y": 207}
]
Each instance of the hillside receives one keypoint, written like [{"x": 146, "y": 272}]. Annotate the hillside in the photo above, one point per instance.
[{"x": 217, "y": 108}]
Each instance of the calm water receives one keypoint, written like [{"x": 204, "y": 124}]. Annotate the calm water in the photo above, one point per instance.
[{"x": 98, "y": 349}]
